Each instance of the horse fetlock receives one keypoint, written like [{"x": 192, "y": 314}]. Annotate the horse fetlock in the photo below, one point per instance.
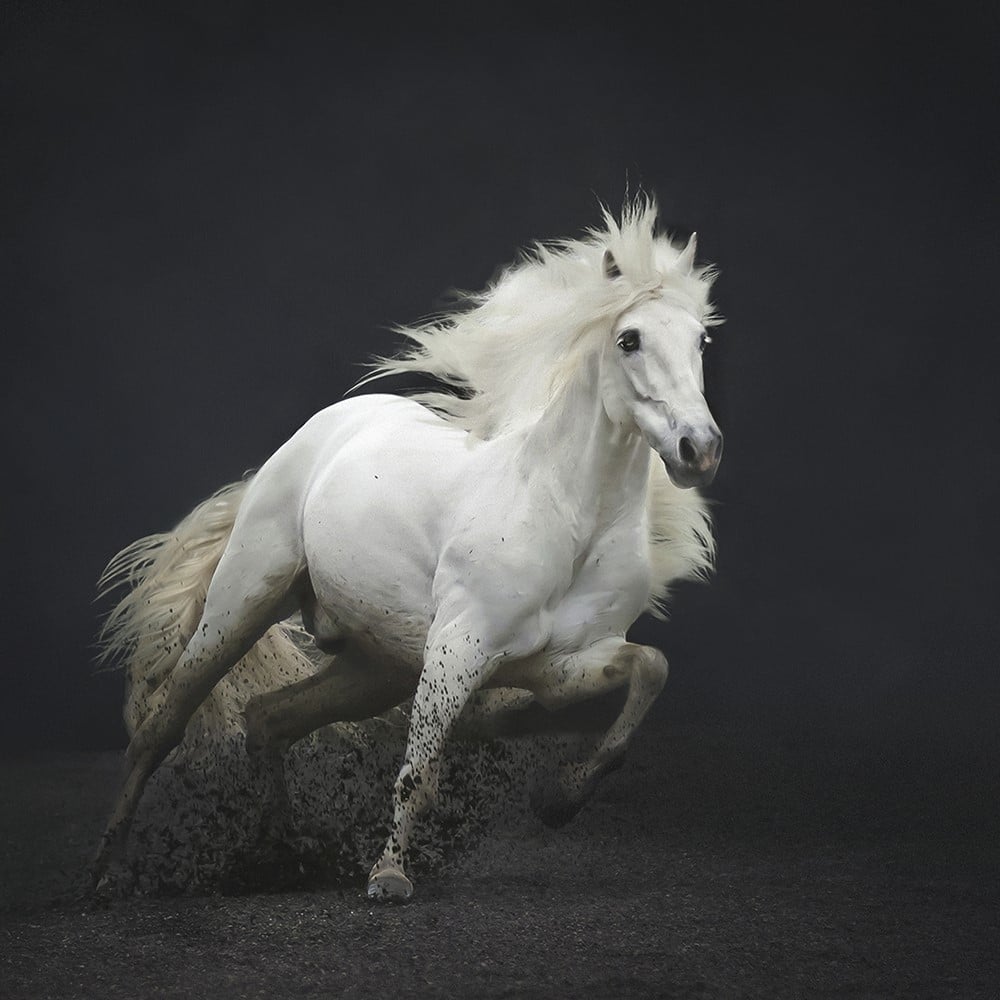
[
  {"x": 603, "y": 763},
  {"x": 577, "y": 781}
]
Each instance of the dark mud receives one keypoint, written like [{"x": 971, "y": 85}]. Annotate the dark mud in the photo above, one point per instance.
[{"x": 713, "y": 864}]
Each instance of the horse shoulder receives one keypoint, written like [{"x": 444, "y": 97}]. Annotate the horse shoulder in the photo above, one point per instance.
[{"x": 503, "y": 560}]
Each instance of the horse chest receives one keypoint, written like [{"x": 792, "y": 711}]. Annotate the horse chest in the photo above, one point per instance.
[{"x": 609, "y": 588}]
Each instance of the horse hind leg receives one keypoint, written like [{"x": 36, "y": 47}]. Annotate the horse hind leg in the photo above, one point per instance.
[
  {"x": 242, "y": 603},
  {"x": 350, "y": 688},
  {"x": 276, "y": 719}
]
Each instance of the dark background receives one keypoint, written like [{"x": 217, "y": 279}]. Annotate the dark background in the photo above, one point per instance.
[{"x": 212, "y": 213}]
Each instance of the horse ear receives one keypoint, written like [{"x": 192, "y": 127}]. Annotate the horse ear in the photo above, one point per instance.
[
  {"x": 611, "y": 265},
  {"x": 685, "y": 260}
]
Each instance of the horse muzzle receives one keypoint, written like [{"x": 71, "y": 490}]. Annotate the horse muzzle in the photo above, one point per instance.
[{"x": 695, "y": 458}]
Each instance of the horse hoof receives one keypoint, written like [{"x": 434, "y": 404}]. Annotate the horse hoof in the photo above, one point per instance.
[
  {"x": 554, "y": 808},
  {"x": 388, "y": 884},
  {"x": 115, "y": 881}
]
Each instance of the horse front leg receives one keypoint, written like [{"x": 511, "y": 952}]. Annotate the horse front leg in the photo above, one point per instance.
[
  {"x": 458, "y": 660},
  {"x": 598, "y": 671}
]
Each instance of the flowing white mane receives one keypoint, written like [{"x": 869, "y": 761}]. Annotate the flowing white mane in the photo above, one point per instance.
[{"x": 502, "y": 353}]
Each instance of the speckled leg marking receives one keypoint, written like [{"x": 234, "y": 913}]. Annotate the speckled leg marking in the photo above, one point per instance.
[
  {"x": 449, "y": 677},
  {"x": 643, "y": 669}
]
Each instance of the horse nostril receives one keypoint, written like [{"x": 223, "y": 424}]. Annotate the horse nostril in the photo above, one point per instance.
[{"x": 687, "y": 450}]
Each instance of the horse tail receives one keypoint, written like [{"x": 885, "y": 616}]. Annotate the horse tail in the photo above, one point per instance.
[{"x": 167, "y": 576}]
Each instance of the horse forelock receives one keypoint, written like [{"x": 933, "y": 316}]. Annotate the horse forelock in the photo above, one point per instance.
[{"x": 501, "y": 355}]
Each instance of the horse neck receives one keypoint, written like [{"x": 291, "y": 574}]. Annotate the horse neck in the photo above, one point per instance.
[{"x": 592, "y": 466}]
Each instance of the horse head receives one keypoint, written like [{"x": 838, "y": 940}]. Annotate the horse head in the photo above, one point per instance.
[{"x": 652, "y": 380}]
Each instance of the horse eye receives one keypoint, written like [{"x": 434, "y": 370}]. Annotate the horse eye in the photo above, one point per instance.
[
  {"x": 628, "y": 341},
  {"x": 703, "y": 342}
]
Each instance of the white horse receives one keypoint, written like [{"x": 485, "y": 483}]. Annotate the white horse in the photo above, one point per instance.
[{"x": 478, "y": 549}]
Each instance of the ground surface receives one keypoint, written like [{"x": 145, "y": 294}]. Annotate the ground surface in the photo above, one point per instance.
[{"x": 713, "y": 864}]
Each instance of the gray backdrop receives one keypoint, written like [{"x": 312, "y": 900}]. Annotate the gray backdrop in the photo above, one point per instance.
[{"x": 214, "y": 212}]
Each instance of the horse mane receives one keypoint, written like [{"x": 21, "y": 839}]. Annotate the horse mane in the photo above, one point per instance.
[{"x": 501, "y": 354}]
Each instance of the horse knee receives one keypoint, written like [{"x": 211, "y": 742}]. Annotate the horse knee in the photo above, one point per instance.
[
  {"x": 151, "y": 743},
  {"x": 644, "y": 666},
  {"x": 653, "y": 668}
]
